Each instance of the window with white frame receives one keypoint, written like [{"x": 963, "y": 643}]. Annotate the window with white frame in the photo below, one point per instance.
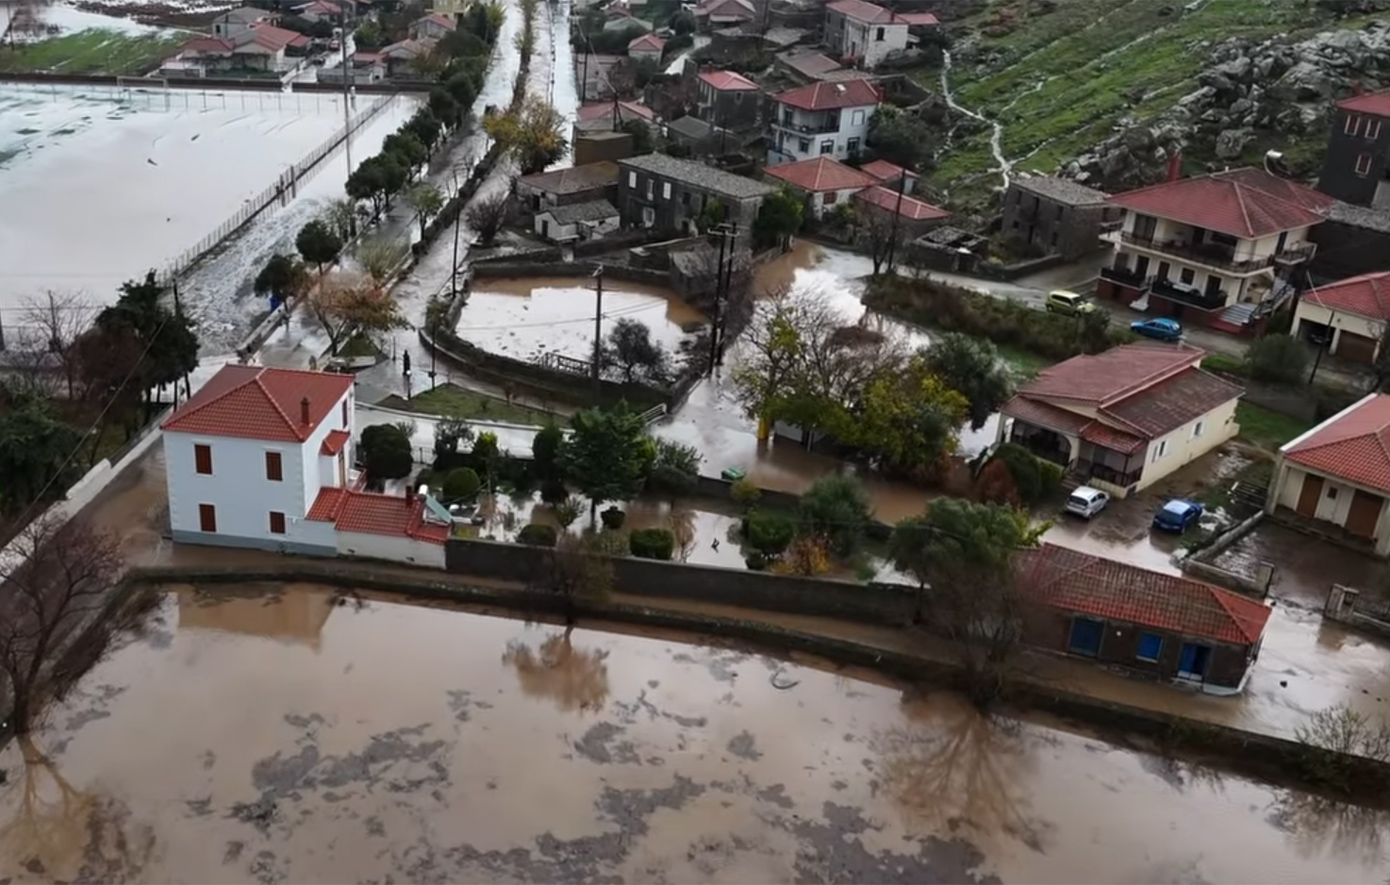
[
  {"x": 857, "y": 118},
  {"x": 827, "y": 146},
  {"x": 666, "y": 190},
  {"x": 1373, "y": 129},
  {"x": 632, "y": 179},
  {"x": 1352, "y": 124},
  {"x": 1363, "y": 164},
  {"x": 1198, "y": 428},
  {"x": 1159, "y": 450}
]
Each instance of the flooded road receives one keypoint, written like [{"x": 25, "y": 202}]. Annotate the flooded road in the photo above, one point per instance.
[
  {"x": 291, "y": 739},
  {"x": 525, "y": 318}
]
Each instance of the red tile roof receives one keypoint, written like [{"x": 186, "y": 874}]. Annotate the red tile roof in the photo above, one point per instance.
[
  {"x": 597, "y": 110},
  {"x": 1354, "y": 445},
  {"x": 254, "y": 402},
  {"x": 910, "y": 207},
  {"x": 1114, "y": 374},
  {"x": 1043, "y": 414},
  {"x": 886, "y": 171},
  {"x": 726, "y": 8},
  {"x": 1107, "y": 437},
  {"x": 829, "y": 96},
  {"x": 1171, "y": 403},
  {"x": 647, "y": 42},
  {"x": 370, "y": 513},
  {"x": 820, "y": 174},
  {"x": 861, "y": 11},
  {"x": 727, "y": 80},
  {"x": 273, "y": 38},
  {"x": 334, "y": 442},
  {"x": 1367, "y": 295},
  {"x": 1376, "y": 103},
  {"x": 918, "y": 18},
  {"x": 443, "y": 21},
  {"x": 1245, "y": 203},
  {"x": 208, "y": 44},
  {"x": 1079, "y": 582}
]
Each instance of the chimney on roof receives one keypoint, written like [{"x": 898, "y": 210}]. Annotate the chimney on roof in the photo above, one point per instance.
[
  {"x": 304, "y": 411},
  {"x": 1174, "y": 166}
]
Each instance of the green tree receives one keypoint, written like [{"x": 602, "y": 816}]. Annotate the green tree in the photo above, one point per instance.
[
  {"x": 1281, "y": 359},
  {"x": 630, "y": 347},
  {"x": 674, "y": 470},
  {"x": 319, "y": 243},
  {"x": 836, "y": 508},
  {"x": 605, "y": 455},
  {"x": 778, "y": 219},
  {"x": 36, "y": 454},
  {"x": 406, "y": 148},
  {"x": 683, "y": 22},
  {"x": 449, "y": 435},
  {"x": 425, "y": 127},
  {"x": 386, "y": 453},
  {"x": 462, "y": 87},
  {"x": 972, "y": 367},
  {"x": 444, "y": 107},
  {"x": 910, "y": 418},
  {"x": 282, "y": 277},
  {"x": 545, "y": 452},
  {"x": 166, "y": 339},
  {"x": 345, "y": 304},
  {"x": 901, "y": 137},
  {"x": 769, "y": 533},
  {"x": 641, "y": 136},
  {"x": 461, "y": 484},
  {"x": 427, "y": 201}
]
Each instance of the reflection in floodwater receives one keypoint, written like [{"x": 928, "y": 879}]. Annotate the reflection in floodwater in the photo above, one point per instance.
[
  {"x": 574, "y": 678},
  {"x": 61, "y": 833},
  {"x": 294, "y": 617},
  {"x": 1320, "y": 825}
]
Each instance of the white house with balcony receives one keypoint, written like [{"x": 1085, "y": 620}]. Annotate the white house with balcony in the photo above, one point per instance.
[
  {"x": 825, "y": 119},
  {"x": 262, "y": 458},
  {"x": 1214, "y": 250},
  {"x": 866, "y": 33}
]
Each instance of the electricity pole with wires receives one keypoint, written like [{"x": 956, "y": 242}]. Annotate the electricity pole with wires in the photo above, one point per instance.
[
  {"x": 598, "y": 333},
  {"x": 721, "y": 293},
  {"x": 897, "y": 214}
]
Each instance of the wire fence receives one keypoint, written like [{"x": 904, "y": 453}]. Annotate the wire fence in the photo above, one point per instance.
[
  {"x": 154, "y": 94},
  {"x": 285, "y": 189}
]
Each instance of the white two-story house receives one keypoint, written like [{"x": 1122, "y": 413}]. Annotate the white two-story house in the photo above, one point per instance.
[
  {"x": 262, "y": 458},
  {"x": 1215, "y": 250},
  {"x": 826, "y": 119},
  {"x": 865, "y": 33}
]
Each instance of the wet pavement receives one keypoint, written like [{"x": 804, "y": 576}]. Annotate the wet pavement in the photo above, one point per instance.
[
  {"x": 354, "y": 740},
  {"x": 1306, "y": 567}
]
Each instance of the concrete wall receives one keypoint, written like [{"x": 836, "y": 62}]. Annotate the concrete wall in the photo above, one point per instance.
[
  {"x": 1335, "y": 503},
  {"x": 1346, "y": 143},
  {"x": 873, "y": 603},
  {"x": 391, "y": 548},
  {"x": 1183, "y": 446},
  {"x": 1339, "y": 321}
]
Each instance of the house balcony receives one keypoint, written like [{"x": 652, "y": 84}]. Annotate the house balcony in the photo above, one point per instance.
[
  {"x": 807, "y": 128},
  {"x": 1105, "y": 473},
  {"x": 1188, "y": 295},
  {"x": 1044, "y": 443},
  {"x": 1122, "y": 277},
  {"x": 1207, "y": 254},
  {"x": 1296, "y": 254},
  {"x": 1108, "y": 227}
]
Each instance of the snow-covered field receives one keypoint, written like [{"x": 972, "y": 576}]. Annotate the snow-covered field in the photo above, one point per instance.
[{"x": 97, "y": 189}]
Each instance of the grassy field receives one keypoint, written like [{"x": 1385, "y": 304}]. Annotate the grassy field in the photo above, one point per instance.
[
  {"x": 456, "y": 402},
  {"x": 1060, "y": 82},
  {"x": 91, "y": 52},
  {"x": 1268, "y": 430}
]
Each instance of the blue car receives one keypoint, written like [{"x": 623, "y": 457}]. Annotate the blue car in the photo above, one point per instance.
[
  {"x": 1177, "y": 515},
  {"x": 1162, "y": 328}
]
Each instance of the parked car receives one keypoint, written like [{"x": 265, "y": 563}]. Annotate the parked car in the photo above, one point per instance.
[
  {"x": 1177, "y": 515},
  {"x": 1068, "y": 303},
  {"x": 1161, "y": 328},
  {"x": 1087, "y": 502}
]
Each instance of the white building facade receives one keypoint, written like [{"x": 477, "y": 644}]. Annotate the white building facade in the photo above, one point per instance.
[
  {"x": 821, "y": 120},
  {"x": 864, "y": 32}
]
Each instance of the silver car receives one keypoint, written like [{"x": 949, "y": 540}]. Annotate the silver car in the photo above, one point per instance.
[{"x": 1086, "y": 501}]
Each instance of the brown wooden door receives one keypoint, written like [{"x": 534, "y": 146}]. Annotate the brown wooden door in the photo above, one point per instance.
[
  {"x": 207, "y": 517},
  {"x": 1357, "y": 348},
  {"x": 1364, "y": 513},
  {"x": 1310, "y": 496}
]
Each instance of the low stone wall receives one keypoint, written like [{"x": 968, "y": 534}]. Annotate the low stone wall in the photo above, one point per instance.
[
  {"x": 889, "y": 604},
  {"x": 1200, "y": 565},
  {"x": 1016, "y": 269},
  {"x": 547, "y": 265}
]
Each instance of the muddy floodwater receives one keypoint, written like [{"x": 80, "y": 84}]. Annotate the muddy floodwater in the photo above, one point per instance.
[
  {"x": 299, "y": 738},
  {"x": 525, "y": 318}
]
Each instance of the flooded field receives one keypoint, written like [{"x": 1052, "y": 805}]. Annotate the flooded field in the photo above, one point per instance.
[
  {"x": 290, "y": 738},
  {"x": 525, "y": 318}
]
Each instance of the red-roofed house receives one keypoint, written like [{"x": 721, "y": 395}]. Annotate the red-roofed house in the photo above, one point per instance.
[
  {"x": 915, "y": 217},
  {"x": 258, "y": 46},
  {"x": 1123, "y": 419},
  {"x": 822, "y": 181},
  {"x": 727, "y": 99},
  {"x": 866, "y": 34},
  {"x": 722, "y": 13},
  {"x": 434, "y": 26},
  {"x": 647, "y": 47},
  {"x": 1349, "y": 314},
  {"x": 825, "y": 119},
  {"x": 1337, "y": 475},
  {"x": 320, "y": 10},
  {"x": 1356, "y": 164},
  {"x": 262, "y": 458},
  {"x": 889, "y": 174},
  {"x": 1165, "y": 626},
  {"x": 1213, "y": 250}
]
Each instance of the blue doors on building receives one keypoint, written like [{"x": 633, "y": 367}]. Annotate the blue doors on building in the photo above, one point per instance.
[
  {"x": 1085, "y": 636},
  {"x": 1192, "y": 663}
]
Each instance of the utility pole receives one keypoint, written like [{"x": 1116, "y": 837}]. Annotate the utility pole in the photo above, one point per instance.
[
  {"x": 348, "y": 76},
  {"x": 718, "y": 308},
  {"x": 1325, "y": 346},
  {"x": 731, "y": 234},
  {"x": 897, "y": 214},
  {"x": 598, "y": 333}
]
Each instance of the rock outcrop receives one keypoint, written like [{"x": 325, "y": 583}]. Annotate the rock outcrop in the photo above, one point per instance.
[{"x": 1279, "y": 89}]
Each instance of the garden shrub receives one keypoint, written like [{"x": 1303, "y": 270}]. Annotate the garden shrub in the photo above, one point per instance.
[
  {"x": 612, "y": 518},
  {"x": 744, "y": 493},
  {"x": 553, "y": 491},
  {"x": 755, "y": 561},
  {"x": 461, "y": 484},
  {"x": 769, "y": 533},
  {"x": 1277, "y": 358},
  {"x": 545, "y": 450},
  {"x": 537, "y": 535},
  {"x": 837, "y": 508},
  {"x": 652, "y": 544},
  {"x": 674, "y": 470}
]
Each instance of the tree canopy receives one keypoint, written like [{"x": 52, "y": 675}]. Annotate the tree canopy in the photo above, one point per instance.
[
  {"x": 629, "y": 347},
  {"x": 166, "y": 339},
  {"x": 901, "y": 137},
  {"x": 534, "y": 135},
  {"x": 386, "y": 452},
  {"x": 971, "y": 366},
  {"x": 779, "y": 218},
  {"x": 282, "y": 277},
  {"x": 606, "y": 454},
  {"x": 318, "y": 242},
  {"x": 345, "y": 304},
  {"x": 837, "y": 509}
]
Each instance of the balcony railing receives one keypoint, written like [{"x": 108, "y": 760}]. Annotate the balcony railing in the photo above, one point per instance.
[
  {"x": 1106, "y": 473},
  {"x": 1042, "y": 446},
  {"x": 1189, "y": 295},
  {"x": 1207, "y": 254},
  {"x": 1295, "y": 254},
  {"x": 1113, "y": 225},
  {"x": 1122, "y": 276},
  {"x": 807, "y": 128}
]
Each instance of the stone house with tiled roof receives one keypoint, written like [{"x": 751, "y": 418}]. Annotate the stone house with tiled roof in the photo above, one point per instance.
[
  {"x": 262, "y": 458},
  {"x": 1167, "y": 627},
  {"x": 727, "y": 99},
  {"x": 1057, "y": 216},
  {"x": 1336, "y": 477},
  {"x": 1348, "y": 316},
  {"x": 666, "y": 193},
  {"x": 1123, "y": 419}
]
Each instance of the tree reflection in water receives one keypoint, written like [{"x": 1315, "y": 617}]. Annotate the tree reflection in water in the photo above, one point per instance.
[
  {"x": 1318, "y": 824},
  {"x": 60, "y": 833},
  {"x": 574, "y": 678},
  {"x": 951, "y": 766}
]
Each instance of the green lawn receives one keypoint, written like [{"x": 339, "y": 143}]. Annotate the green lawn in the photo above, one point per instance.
[
  {"x": 92, "y": 51},
  {"x": 1268, "y": 430},
  {"x": 1024, "y": 363},
  {"x": 456, "y": 402}
]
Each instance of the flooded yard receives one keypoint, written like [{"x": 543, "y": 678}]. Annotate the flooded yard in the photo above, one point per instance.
[
  {"x": 298, "y": 737},
  {"x": 525, "y": 318}
]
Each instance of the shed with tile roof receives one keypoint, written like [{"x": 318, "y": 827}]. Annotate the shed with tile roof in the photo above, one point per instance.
[{"x": 1348, "y": 316}]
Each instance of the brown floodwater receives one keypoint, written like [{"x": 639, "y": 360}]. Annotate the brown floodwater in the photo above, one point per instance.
[
  {"x": 299, "y": 737},
  {"x": 524, "y": 318}
]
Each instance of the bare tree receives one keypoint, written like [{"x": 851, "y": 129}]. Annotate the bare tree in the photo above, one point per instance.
[
  {"x": 879, "y": 230},
  {"x": 488, "y": 215},
  {"x": 60, "y": 318},
  {"x": 574, "y": 678},
  {"x": 57, "y": 574},
  {"x": 380, "y": 258},
  {"x": 582, "y": 568},
  {"x": 345, "y": 304}
]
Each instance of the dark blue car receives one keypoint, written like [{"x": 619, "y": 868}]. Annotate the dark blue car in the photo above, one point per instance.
[
  {"x": 1177, "y": 515},
  {"x": 1161, "y": 328}
]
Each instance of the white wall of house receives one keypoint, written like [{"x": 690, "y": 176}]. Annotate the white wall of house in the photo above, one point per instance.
[
  {"x": 824, "y": 201},
  {"x": 872, "y": 43},
  {"x": 547, "y": 226},
  {"x": 790, "y": 141},
  {"x": 391, "y": 547},
  {"x": 652, "y": 55},
  {"x": 1335, "y": 503},
  {"x": 1188, "y": 443},
  {"x": 1339, "y": 321}
]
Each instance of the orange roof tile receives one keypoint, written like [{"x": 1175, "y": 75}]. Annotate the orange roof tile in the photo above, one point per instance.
[
  {"x": 886, "y": 171},
  {"x": 908, "y": 207},
  {"x": 647, "y": 43},
  {"x": 1354, "y": 445},
  {"x": 1079, "y": 582},
  {"x": 1376, "y": 103},
  {"x": 1245, "y": 203},
  {"x": 334, "y": 442},
  {"x": 727, "y": 81},
  {"x": 820, "y": 174},
  {"x": 1367, "y": 295},
  {"x": 1114, "y": 374},
  {"x": 254, "y": 402},
  {"x": 370, "y": 513},
  {"x": 828, "y": 96}
]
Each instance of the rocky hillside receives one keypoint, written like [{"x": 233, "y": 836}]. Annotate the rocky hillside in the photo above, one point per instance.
[{"x": 1104, "y": 90}]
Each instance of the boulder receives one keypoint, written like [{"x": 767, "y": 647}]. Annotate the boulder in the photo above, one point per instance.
[{"x": 1230, "y": 143}]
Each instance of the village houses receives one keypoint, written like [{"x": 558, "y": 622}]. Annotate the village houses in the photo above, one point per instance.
[
  {"x": 865, "y": 33},
  {"x": 821, "y": 120}
]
